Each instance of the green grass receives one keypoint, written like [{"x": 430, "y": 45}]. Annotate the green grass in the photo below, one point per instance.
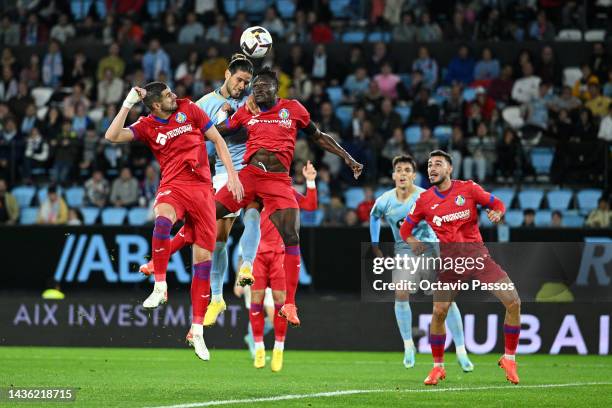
[{"x": 157, "y": 377}]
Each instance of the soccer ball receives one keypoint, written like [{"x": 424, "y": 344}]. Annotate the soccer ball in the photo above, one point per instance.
[{"x": 255, "y": 41}]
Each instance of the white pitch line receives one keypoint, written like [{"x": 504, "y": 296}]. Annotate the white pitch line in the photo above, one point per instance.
[{"x": 373, "y": 391}]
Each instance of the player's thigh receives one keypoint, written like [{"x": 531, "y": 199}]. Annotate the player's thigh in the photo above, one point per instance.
[
  {"x": 224, "y": 226},
  {"x": 287, "y": 222},
  {"x": 200, "y": 254},
  {"x": 261, "y": 268},
  {"x": 200, "y": 218},
  {"x": 225, "y": 201},
  {"x": 509, "y": 297},
  {"x": 276, "y": 273}
]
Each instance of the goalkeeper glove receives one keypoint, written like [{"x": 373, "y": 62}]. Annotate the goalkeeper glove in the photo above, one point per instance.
[{"x": 131, "y": 99}]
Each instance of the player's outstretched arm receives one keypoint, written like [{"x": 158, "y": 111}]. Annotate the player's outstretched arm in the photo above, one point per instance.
[
  {"x": 233, "y": 182},
  {"x": 375, "y": 235},
  {"x": 326, "y": 142},
  {"x": 116, "y": 132}
]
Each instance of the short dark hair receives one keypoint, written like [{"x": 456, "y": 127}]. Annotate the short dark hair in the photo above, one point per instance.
[
  {"x": 404, "y": 158},
  {"x": 556, "y": 212},
  {"x": 154, "y": 90},
  {"x": 529, "y": 211},
  {"x": 239, "y": 62},
  {"x": 268, "y": 73},
  {"x": 442, "y": 153}
]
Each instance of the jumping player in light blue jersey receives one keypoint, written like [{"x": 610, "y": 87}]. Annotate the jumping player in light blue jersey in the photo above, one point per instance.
[
  {"x": 393, "y": 206},
  {"x": 228, "y": 97}
]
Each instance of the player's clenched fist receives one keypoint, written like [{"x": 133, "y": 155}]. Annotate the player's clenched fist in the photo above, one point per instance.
[
  {"x": 235, "y": 186},
  {"x": 355, "y": 166},
  {"x": 135, "y": 95}
]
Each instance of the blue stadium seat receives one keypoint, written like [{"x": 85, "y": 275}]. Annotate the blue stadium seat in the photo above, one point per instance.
[
  {"x": 541, "y": 159},
  {"x": 443, "y": 134},
  {"x": 404, "y": 112},
  {"x": 24, "y": 195},
  {"x": 514, "y": 218},
  {"x": 353, "y": 37},
  {"x": 559, "y": 199},
  {"x": 335, "y": 94},
  {"x": 339, "y": 8},
  {"x": 138, "y": 216},
  {"x": 232, "y": 7},
  {"x": 254, "y": 8},
  {"x": 542, "y": 218},
  {"x": 353, "y": 197},
  {"x": 311, "y": 218},
  {"x": 42, "y": 193},
  {"x": 530, "y": 198},
  {"x": 573, "y": 219},
  {"x": 469, "y": 94},
  {"x": 344, "y": 113},
  {"x": 28, "y": 216},
  {"x": 75, "y": 196},
  {"x": 90, "y": 215},
  {"x": 377, "y": 36},
  {"x": 587, "y": 199},
  {"x": 286, "y": 8},
  {"x": 413, "y": 134},
  {"x": 113, "y": 216},
  {"x": 484, "y": 220},
  {"x": 504, "y": 194},
  {"x": 380, "y": 191}
]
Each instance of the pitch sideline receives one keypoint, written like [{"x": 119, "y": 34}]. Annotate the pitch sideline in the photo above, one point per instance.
[{"x": 354, "y": 392}]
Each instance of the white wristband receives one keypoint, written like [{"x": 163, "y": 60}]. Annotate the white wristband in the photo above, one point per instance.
[{"x": 311, "y": 184}]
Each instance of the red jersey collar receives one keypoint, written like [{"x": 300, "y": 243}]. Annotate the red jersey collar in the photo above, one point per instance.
[{"x": 444, "y": 195}]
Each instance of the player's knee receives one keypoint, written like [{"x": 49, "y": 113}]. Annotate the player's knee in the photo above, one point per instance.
[
  {"x": 200, "y": 254},
  {"x": 290, "y": 236},
  {"x": 278, "y": 297},
  {"x": 440, "y": 310},
  {"x": 514, "y": 306},
  {"x": 402, "y": 295}
]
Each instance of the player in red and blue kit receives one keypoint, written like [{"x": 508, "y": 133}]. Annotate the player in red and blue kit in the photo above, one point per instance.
[
  {"x": 270, "y": 145},
  {"x": 174, "y": 132},
  {"x": 450, "y": 208}
]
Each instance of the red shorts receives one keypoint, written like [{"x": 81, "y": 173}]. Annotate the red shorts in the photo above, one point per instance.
[
  {"x": 274, "y": 189},
  {"x": 490, "y": 273},
  {"x": 268, "y": 271},
  {"x": 195, "y": 203}
]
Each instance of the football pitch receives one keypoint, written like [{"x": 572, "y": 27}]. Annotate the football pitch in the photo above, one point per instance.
[{"x": 110, "y": 377}]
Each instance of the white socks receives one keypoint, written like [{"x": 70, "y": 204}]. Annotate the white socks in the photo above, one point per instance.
[
  {"x": 217, "y": 298},
  {"x": 163, "y": 286},
  {"x": 197, "y": 329},
  {"x": 509, "y": 356},
  {"x": 279, "y": 345},
  {"x": 408, "y": 344},
  {"x": 259, "y": 345},
  {"x": 460, "y": 350},
  {"x": 438, "y": 364}
]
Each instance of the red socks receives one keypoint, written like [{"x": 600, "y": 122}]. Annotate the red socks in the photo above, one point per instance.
[
  {"x": 257, "y": 318},
  {"x": 437, "y": 342},
  {"x": 292, "y": 271},
  {"x": 280, "y": 324},
  {"x": 161, "y": 247},
  {"x": 178, "y": 241},
  {"x": 200, "y": 290},
  {"x": 511, "y": 338}
]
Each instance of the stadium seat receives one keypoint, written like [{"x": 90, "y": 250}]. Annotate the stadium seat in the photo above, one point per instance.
[
  {"x": 469, "y": 94},
  {"x": 514, "y": 218},
  {"x": 113, "y": 216},
  {"x": 353, "y": 197},
  {"x": 541, "y": 159},
  {"x": 335, "y": 94},
  {"x": 569, "y": 35},
  {"x": 413, "y": 135},
  {"x": 254, "y": 8},
  {"x": 443, "y": 134},
  {"x": 41, "y": 96},
  {"x": 530, "y": 198},
  {"x": 587, "y": 199},
  {"x": 506, "y": 195},
  {"x": 24, "y": 195},
  {"x": 571, "y": 75},
  {"x": 513, "y": 116},
  {"x": 559, "y": 199},
  {"x": 353, "y": 37},
  {"x": 595, "y": 35},
  {"x": 404, "y": 112},
  {"x": 377, "y": 36},
  {"x": 339, "y": 8},
  {"x": 542, "y": 218},
  {"x": 484, "y": 220},
  {"x": 75, "y": 196},
  {"x": 28, "y": 216},
  {"x": 311, "y": 218},
  {"x": 345, "y": 115},
  {"x": 138, "y": 216},
  {"x": 380, "y": 191},
  {"x": 286, "y": 8},
  {"x": 573, "y": 220},
  {"x": 90, "y": 215},
  {"x": 42, "y": 193}
]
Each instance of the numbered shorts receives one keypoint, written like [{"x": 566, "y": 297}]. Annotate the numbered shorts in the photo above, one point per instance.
[
  {"x": 268, "y": 271},
  {"x": 274, "y": 189},
  {"x": 193, "y": 202},
  {"x": 219, "y": 180},
  {"x": 491, "y": 272}
]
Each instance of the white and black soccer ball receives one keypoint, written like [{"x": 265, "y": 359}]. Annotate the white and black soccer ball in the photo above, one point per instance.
[{"x": 256, "y": 42}]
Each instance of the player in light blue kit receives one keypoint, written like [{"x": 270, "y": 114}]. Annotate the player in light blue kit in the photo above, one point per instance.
[
  {"x": 229, "y": 97},
  {"x": 393, "y": 206}
]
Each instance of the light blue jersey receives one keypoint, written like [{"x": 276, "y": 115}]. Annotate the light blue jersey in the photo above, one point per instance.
[
  {"x": 211, "y": 103},
  {"x": 387, "y": 206}
]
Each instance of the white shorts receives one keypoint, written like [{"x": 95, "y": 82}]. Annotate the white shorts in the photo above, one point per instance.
[
  {"x": 219, "y": 180},
  {"x": 268, "y": 300}
]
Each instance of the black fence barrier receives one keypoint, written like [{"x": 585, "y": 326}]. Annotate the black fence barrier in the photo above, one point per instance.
[
  {"x": 116, "y": 319},
  {"x": 108, "y": 257}
]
